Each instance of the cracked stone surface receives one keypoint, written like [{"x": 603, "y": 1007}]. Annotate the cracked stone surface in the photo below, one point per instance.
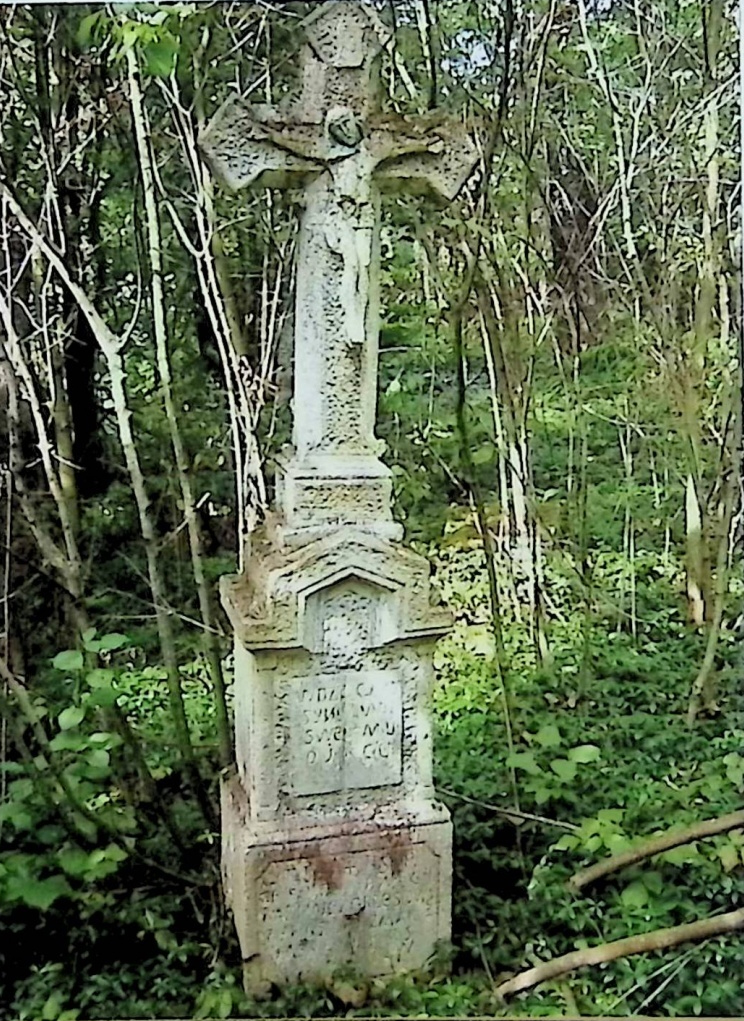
[{"x": 335, "y": 850}]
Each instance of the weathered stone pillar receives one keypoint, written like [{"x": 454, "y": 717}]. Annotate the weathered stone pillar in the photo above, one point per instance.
[{"x": 336, "y": 852}]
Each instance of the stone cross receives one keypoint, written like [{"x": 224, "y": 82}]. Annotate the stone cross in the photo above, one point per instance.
[
  {"x": 335, "y": 850},
  {"x": 334, "y": 144}
]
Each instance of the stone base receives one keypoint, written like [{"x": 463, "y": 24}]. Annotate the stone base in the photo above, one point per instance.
[
  {"x": 323, "y": 492},
  {"x": 371, "y": 896}
]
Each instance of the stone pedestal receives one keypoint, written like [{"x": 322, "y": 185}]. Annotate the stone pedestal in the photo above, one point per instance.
[
  {"x": 336, "y": 853},
  {"x": 369, "y": 894}
]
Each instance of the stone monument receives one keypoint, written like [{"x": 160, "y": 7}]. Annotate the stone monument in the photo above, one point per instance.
[{"x": 336, "y": 853}]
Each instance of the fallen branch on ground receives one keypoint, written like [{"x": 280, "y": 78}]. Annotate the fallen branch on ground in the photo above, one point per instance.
[
  {"x": 666, "y": 842},
  {"x": 659, "y": 939},
  {"x": 510, "y": 813}
]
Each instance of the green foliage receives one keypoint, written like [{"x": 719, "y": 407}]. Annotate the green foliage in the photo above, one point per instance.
[
  {"x": 62, "y": 811},
  {"x": 108, "y": 880},
  {"x": 615, "y": 764},
  {"x": 74, "y": 821}
]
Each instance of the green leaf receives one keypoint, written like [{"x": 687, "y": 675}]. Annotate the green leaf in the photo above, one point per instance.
[
  {"x": 568, "y": 843},
  {"x": 51, "y": 1009},
  {"x": 226, "y": 1004},
  {"x": 525, "y": 761},
  {"x": 734, "y": 768},
  {"x": 684, "y": 855},
  {"x": 113, "y": 641},
  {"x": 542, "y": 792},
  {"x": 610, "y": 814},
  {"x": 100, "y": 737},
  {"x": 73, "y": 860},
  {"x": 157, "y": 17},
  {"x": 584, "y": 753},
  {"x": 160, "y": 57},
  {"x": 115, "y": 853},
  {"x": 70, "y": 659},
  {"x": 101, "y": 862},
  {"x": 616, "y": 843},
  {"x": 19, "y": 790},
  {"x": 101, "y": 677},
  {"x": 37, "y": 893},
  {"x": 729, "y": 856},
  {"x": 564, "y": 769},
  {"x": 653, "y": 881},
  {"x": 17, "y": 815},
  {"x": 105, "y": 738},
  {"x": 99, "y": 758},
  {"x": 635, "y": 895},
  {"x": 85, "y": 28},
  {"x": 71, "y": 717},
  {"x": 50, "y": 835},
  {"x": 68, "y": 741},
  {"x": 104, "y": 697},
  {"x": 548, "y": 736}
]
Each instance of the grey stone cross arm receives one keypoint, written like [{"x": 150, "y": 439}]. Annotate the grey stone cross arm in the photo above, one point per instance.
[
  {"x": 258, "y": 145},
  {"x": 334, "y": 144}
]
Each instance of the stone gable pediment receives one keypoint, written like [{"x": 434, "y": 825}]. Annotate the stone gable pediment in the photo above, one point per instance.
[{"x": 271, "y": 607}]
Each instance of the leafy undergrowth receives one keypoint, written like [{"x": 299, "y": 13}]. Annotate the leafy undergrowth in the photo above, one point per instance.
[
  {"x": 600, "y": 751},
  {"x": 615, "y": 771}
]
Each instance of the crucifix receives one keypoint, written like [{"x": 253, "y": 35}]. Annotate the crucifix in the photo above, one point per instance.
[
  {"x": 334, "y": 145},
  {"x": 335, "y": 850}
]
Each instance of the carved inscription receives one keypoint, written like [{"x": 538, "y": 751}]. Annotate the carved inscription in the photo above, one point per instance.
[
  {"x": 373, "y": 737},
  {"x": 345, "y": 731}
]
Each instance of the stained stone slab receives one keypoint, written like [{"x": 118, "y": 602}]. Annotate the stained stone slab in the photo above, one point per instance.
[
  {"x": 333, "y": 676},
  {"x": 375, "y": 896},
  {"x": 272, "y": 605}
]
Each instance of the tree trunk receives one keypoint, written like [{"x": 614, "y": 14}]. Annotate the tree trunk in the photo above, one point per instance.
[{"x": 209, "y": 639}]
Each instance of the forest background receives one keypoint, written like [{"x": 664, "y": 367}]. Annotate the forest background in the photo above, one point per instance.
[{"x": 560, "y": 397}]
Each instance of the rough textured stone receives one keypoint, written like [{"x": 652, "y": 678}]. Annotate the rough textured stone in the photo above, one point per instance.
[
  {"x": 373, "y": 893},
  {"x": 349, "y": 617},
  {"x": 335, "y": 850}
]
